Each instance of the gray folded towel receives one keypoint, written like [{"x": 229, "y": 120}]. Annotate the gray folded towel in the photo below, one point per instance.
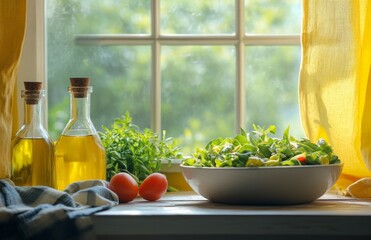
[{"x": 45, "y": 213}]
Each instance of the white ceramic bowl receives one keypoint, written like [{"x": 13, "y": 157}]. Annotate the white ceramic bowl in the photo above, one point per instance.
[{"x": 262, "y": 185}]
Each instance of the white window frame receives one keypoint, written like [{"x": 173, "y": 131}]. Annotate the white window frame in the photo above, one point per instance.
[{"x": 33, "y": 62}]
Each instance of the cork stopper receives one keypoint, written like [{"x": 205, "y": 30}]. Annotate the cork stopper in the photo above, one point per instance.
[
  {"x": 33, "y": 86},
  {"x": 79, "y": 86},
  {"x": 33, "y": 92}
]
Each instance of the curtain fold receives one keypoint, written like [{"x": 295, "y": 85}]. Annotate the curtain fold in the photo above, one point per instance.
[
  {"x": 12, "y": 31},
  {"x": 335, "y": 81}
]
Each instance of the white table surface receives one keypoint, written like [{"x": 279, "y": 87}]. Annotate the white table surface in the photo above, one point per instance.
[{"x": 186, "y": 215}]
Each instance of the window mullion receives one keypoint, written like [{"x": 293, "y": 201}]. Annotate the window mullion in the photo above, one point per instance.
[
  {"x": 189, "y": 39},
  {"x": 156, "y": 70},
  {"x": 269, "y": 40},
  {"x": 240, "y": 71}
]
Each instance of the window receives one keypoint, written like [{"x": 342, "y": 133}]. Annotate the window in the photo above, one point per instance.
[{"x": 197, "y": 69}]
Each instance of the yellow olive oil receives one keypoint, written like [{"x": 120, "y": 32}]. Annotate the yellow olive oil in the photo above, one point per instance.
[
  {"x": 32, "y": 162},
  {"x": 79, "y": 158}
]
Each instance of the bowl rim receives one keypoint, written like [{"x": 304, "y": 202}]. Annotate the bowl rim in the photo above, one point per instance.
[{"x": 264, "y": 167}]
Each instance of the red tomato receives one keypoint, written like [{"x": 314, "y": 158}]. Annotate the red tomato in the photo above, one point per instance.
[
  {"x": 153, "y": 187},
  {"x": 124, "y": 186}
]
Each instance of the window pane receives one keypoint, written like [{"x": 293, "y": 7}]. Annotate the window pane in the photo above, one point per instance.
[
  {"x": 120, "y": 77},
  {"x": 197, "y": 17},
  {"x": 273, "y": 16},
  {"x": 98, "y": 17},
  {"x": 271, "y": 87},
  {"x": 198, "y": 93}
]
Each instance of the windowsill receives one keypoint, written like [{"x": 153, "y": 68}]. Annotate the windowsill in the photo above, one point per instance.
[{"x": 185, "y": 215}]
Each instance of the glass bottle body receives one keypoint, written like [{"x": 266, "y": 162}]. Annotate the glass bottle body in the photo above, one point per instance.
[
  {"x": 32, "y": 149},
  {"x": 79, "y": 153}
]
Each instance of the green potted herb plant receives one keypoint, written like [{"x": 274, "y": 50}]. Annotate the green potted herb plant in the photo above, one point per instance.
[{"x": 136, "y": 152}]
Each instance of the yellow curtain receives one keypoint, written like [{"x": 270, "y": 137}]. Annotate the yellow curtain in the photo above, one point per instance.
[
  {"x": 335, "y": 83},
  {"x": 12, "y": 30}
]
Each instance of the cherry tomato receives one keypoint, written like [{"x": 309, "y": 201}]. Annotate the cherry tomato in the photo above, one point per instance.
[
  {"x": 124, "y": 186},
  {"x": 153, "y": 187}
]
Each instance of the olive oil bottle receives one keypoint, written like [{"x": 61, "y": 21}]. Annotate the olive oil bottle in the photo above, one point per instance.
[
  {"x": 79, "y": 153},
  {"x": 32, "y": 149}
]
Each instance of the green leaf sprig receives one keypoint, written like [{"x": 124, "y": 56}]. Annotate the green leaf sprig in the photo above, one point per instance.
[{"x": 135, "y": 152}]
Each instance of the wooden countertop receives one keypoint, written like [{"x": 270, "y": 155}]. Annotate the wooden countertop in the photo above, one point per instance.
[{"x": 185, "y": 215}]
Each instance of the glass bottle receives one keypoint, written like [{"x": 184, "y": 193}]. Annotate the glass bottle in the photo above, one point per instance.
[
  {"x": 32, "y": 148},
  {"x": 79, "y": 152}
]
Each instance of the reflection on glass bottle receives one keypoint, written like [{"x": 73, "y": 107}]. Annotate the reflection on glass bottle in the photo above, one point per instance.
[
  {"x": 32, "y": 148},
  {"x": 79, "y": 152}
]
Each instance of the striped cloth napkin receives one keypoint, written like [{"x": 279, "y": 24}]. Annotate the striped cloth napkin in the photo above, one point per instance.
[{"x": 45, "y": 213}]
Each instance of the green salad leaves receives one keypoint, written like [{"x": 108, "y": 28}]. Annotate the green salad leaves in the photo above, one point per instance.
[{"x": 258, "y": 149}]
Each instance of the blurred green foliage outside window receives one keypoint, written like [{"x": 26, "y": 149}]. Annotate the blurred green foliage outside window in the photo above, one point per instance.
[{"x": 198, "y": 81}]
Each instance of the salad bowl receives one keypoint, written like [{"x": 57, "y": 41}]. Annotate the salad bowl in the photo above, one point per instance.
[
  {"x": 256, "y": 168},
  {"x": 262, "y": 185}
]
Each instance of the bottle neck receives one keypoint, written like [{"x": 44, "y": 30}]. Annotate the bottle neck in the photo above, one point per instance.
[
  {"x": 33, "y": 121},
  {"x": 33, "y": 114},
  {"x": 79, "y": 123},
  {"x": 80, "y": 108}
]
